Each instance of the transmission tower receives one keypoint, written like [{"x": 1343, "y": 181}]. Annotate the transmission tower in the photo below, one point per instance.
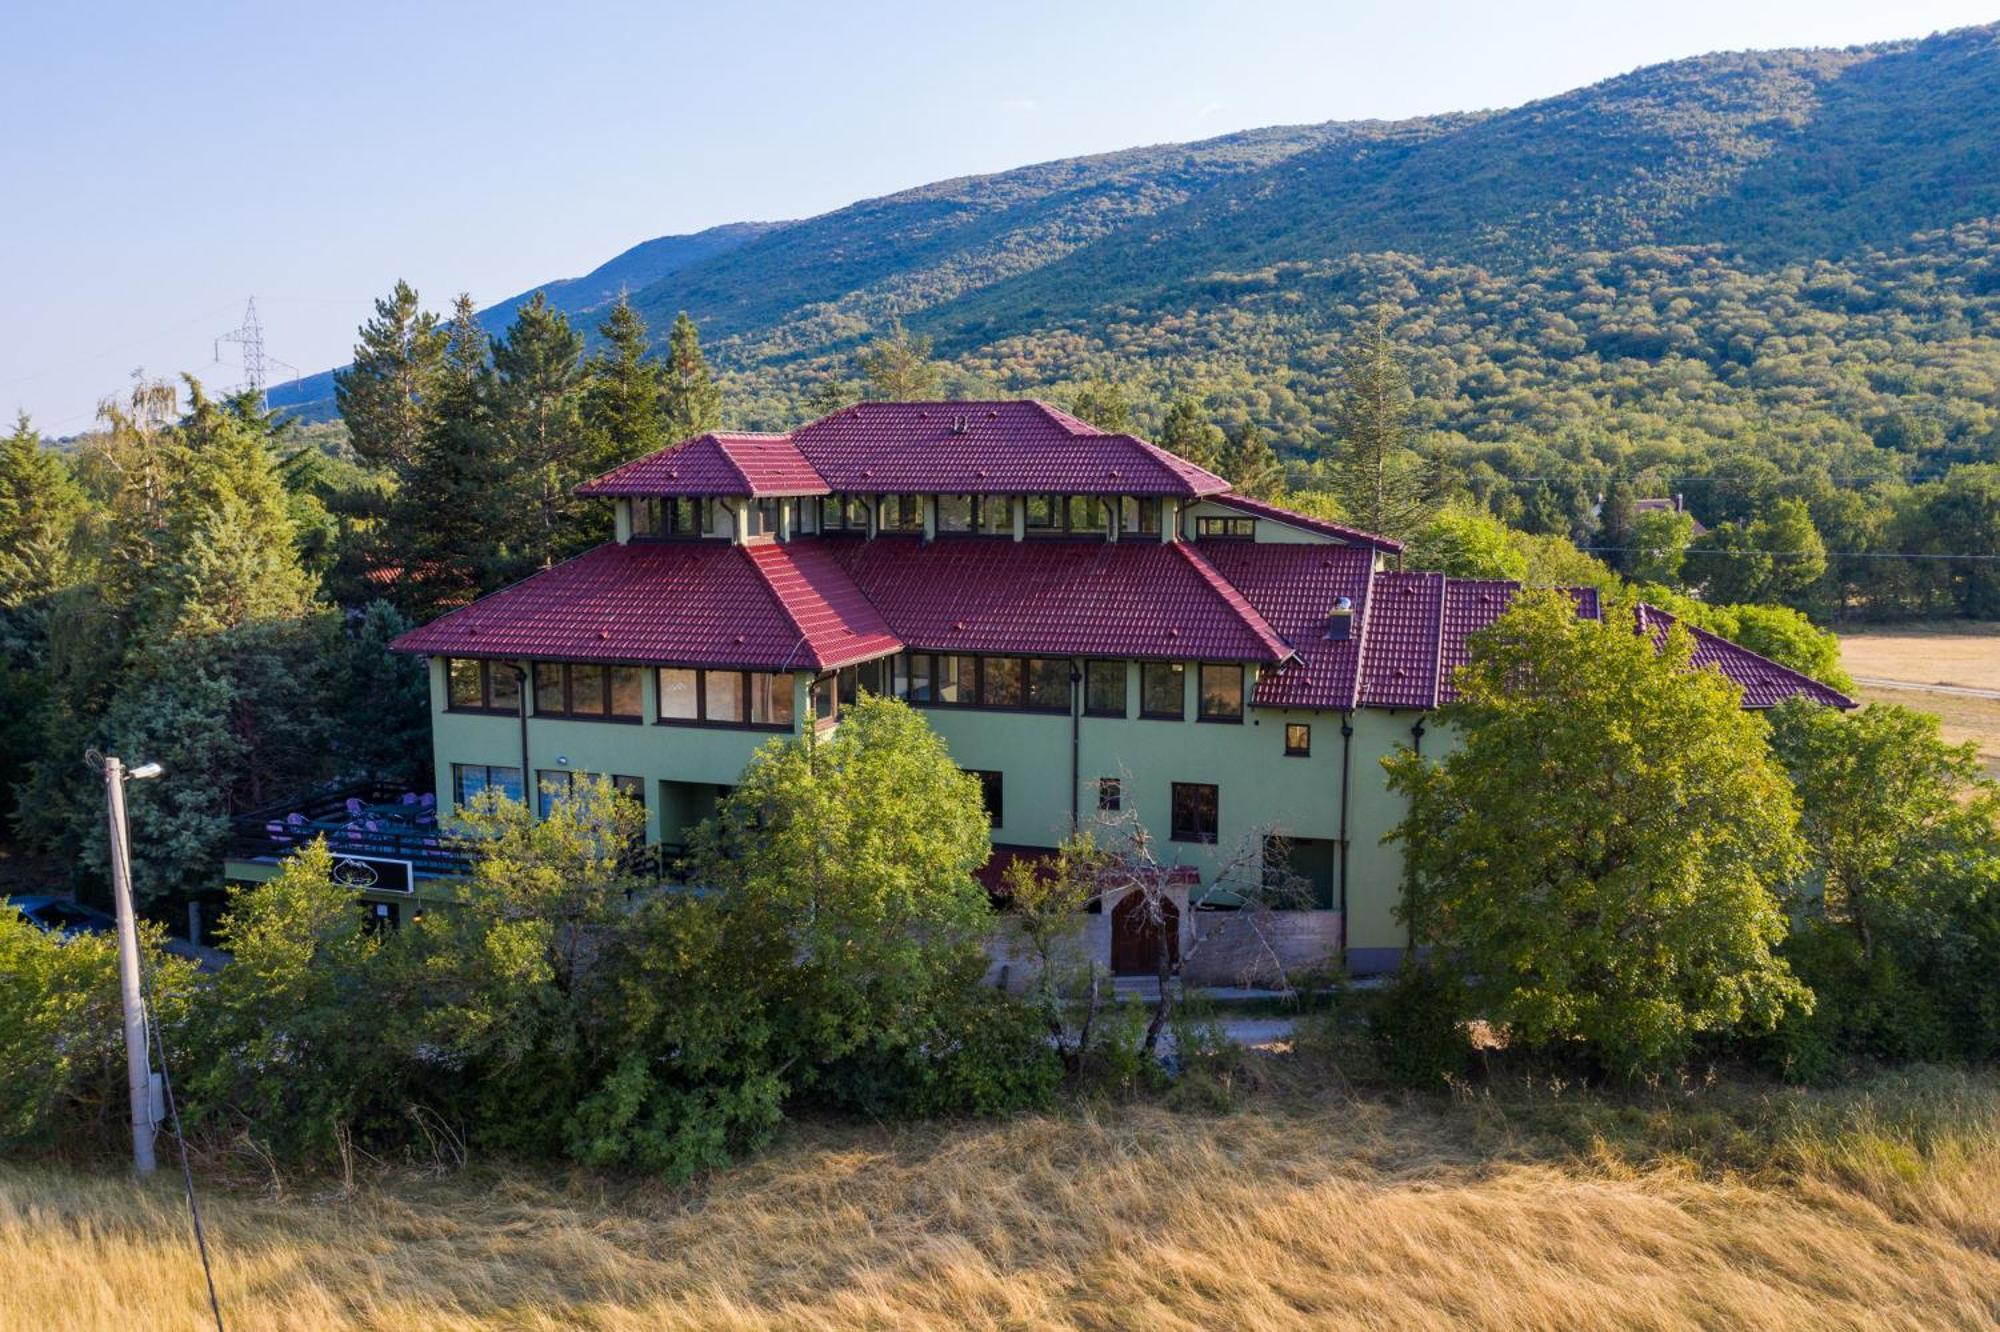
[{"x": 256, "y": 363}]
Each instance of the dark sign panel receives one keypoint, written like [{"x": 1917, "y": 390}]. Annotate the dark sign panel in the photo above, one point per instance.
[{"x": 371, "y": 874}]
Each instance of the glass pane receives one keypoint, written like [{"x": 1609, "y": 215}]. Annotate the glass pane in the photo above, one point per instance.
[
  {"x": 1042, "y": 513},
  {"x": 1160, "y": 691},
  {"x": 1298, "y": 738},
  {"x": 724, "y": 693},
  {"x": 1104, "y": 688},
  {"x": 549, "y": 688},
  {"x": 551, "y": 785},
  {"x": 771, "y": 700},
  {"x": 1086, "y": 514},
  {"x": 919, "y": 666},
  {"x": 825, "y": 707},
  {"x": 507, "y": 779},
  {"x": 503, "y": 687},
  {"x": 684, "y": 517},
  {"x": 951, "y": 688},
  {"x": 587, "y": 690},
  {"x": 462, "y": 683},
  {"x": 626, "y": 691},
  {"x": 1048, "y": 684},
  {"x": 633, "y": 788},
  {"x": 1194, "y": 812},
  {"x": 996, "y": 514},
  {"x": 849, "y": 682},
  {"x": 1221, "y": 690},
  {"x": 1003, "y": 683},
  {"x": 680, "y": 694},
  {"x": 954, "y": 513},
  {"x": 467, "y": 779},
  {"x": 1109, "y": 793}
]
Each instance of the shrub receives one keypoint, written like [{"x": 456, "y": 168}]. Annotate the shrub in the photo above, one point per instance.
[{"x": 1417, "y": 1026}]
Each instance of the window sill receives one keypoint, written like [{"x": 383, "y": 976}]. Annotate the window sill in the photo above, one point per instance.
[
  {"x": 582, "y": 717},
  {"x": 695, "y": 724}
]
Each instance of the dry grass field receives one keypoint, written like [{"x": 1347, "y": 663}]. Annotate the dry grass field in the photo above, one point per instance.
[
  {"x": 1704, "y": 1207},
  {"x": 1907, "y": 664}
]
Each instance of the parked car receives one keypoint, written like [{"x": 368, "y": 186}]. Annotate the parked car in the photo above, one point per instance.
[{"x": 59, "y": 915}]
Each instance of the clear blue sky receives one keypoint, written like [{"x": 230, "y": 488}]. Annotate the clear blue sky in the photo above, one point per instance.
[{"x": 159, "y": 163}]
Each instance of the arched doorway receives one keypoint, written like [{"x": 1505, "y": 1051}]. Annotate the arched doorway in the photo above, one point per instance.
[{"x": 1137, "y": 936}]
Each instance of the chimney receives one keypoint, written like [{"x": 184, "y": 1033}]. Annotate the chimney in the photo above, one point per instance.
[
  {"x": 1340, "y": 620},
  {"x": 1680, "y": 503},
  {"x": 959, "y": 425}
]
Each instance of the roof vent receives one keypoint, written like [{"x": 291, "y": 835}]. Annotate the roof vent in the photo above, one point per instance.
[
  {"x": 1173, "y": 633},
  {"x": 739, "y": 638},
  {"x": 984, "y": 472},
  {"x": 1340, "y": 620},
  {"x": 992, "y": 413},
  {"x": 958, "y": 625},
  {"x": 604, "y": 633}
]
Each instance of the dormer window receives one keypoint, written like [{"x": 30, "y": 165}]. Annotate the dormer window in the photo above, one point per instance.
[
  {"x": 656, "y": 518},
  {"x": 1141, "y": 515},
  {"x": 843, "y": 513},
  {"x": 1225, "y": 529}
]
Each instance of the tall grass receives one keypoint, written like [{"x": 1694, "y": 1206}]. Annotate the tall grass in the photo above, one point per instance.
[{"x": 1529, "y": 1206}]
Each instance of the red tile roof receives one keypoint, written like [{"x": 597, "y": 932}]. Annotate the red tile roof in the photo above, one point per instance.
[
  {"x": 1405, "y": 633},
  {"x": 714, "y": 464},
  {"x": 1765, "y": 683},
  {"x": 1294, "y": 587},
  {"x": 694, "y": 603},
  {"x": 1264, "y": 509},
  {"x": 1057, "y": 598}
]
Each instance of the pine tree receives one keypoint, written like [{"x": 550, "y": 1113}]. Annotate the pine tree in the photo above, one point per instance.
[
  {"x": 1618, "y": 523},
  {"x": 535, "y": 400},
  {"x": 624, "y": 396},
  {"x": 1103, "y": 403},
  {"x": 383, "y": 396},
  {"x": 899, "y": 368},
  {"x": 692, "y": 401},
  {"x": 40, "y": 508},
  {"x": 1251, "y": 465},
  {"x": 1188, "y": 432},
  {"x": 1376, "y": 476},
  {"x": 457, "y": 529}
]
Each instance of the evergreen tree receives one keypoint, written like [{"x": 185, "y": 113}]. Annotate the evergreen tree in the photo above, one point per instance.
[
  {"x": 1618, "y": 524},
  {"x": 1250, "y": 464},
  {"x": 830, "y": 395},
  {"x": 1377, "y": 478},
  {"x": 534, "y": 398},
  {"x": 1104, "y": 404},
  {"x": 692, "y": 402},
  {"x": 40, "y": 509},
  {"x": 1188, "y": 432},
  {"x": 457, "y": 531},
  {"x": 899, "y": 368},
  {"x": 624, "y": 395},
  {"x": 384, "y": 396}
]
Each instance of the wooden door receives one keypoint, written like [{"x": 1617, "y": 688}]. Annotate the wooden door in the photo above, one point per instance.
[{"x": 1136, "y": 937}]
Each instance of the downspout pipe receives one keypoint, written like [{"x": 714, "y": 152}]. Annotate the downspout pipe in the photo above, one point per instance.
[
  {"x": 1346, "y": 767},
  {"x": 1075, "y": 745},
  {"x": 528, "y": 791}
]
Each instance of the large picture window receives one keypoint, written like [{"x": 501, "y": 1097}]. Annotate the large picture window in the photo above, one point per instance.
[
  {"x": 553, "y": 785},
  {"x": 1194, "y": 812},
  {"x": 587, "y": 691},
  {"x": 691, "y": 697},
  {"x": 1104, "y": 688},
  {"x": 1162, "y": 690},
  {"x": 1221, "y": 692},
  {"x": 1027, "y": 684},
  {"x": 481, "y": 686},
  {"x": 469, "y": 779},
  {"x": 662, "y": 519}
]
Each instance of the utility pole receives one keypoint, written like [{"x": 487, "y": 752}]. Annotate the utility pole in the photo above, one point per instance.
[{"x": 138, "y": 1066}]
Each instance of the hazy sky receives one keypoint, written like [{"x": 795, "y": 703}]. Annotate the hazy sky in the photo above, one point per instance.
[{"x": 160, "y": 163}]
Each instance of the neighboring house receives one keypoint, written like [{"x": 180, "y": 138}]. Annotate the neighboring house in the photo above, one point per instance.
[
  {"x": 1089, "y": 621},
  {"x": 1664, "y": 504}
]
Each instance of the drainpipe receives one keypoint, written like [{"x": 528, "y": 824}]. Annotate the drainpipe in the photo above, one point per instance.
[
  {"x": 1410, "y": 924},
  {"x": 528, "y": 792},
  {"x": 1346, "y": 753},
  {"x": 1075, "y": 744}
]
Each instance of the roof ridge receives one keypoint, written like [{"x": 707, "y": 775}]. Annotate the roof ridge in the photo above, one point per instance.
[
  {"x": 1640, "y": 608},
  {"x": 1233, "y": 597},
  {"x": 1437, "y": 640},
  {"x": 755, "y": 556}
]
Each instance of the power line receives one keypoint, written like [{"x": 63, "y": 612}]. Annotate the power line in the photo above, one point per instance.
[
  {"x": 1697, "y": 552},
  {"x": 180, "y": 1139}
]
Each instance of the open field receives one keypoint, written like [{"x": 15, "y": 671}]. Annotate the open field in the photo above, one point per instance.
[
  {"x": 1738, "y": 1207},
  {"x": 1945, "y": 667}
]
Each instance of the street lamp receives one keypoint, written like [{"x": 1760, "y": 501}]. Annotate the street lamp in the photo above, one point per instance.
[{"x": 138, "y": 1066}]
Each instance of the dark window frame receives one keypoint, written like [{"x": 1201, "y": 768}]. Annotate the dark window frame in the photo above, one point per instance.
[
  {"x": 904, "y": 676},
  {"x": 746, "y": 695},
  {"x": 1124, "y": 676},
  {"x": 1210, "y": 528},
  {"x": 1303, "y": 747},
  {"x": 458, "y": 771},
  {"x": 566, "y": 711},
  {"x": 668, "y": 526},
  {"x": 1201, "y": 693},
  {"x": 486, "y": 707},
  {"x": 1180, "y": 671},
  {"x": 1140, "y": 515},
  {"x": 1192, "y": 831},
  {"x": 900, "y": 502}
]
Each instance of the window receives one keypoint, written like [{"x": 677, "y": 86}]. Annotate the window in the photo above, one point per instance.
[
  {"x": 1044, "y": 513},
  {"x": 725, "y": 698},
  {"x": 1194, "y": 812},
  {"x": 660, "y": 519},
  {"x": 1225, "y": 529},
  {"x": 1087, "y": 513},
  {"x": 957, "y": 513},
  {"x": 553, "y": 785},
  {"x": 1001, "y": 685},
  {"x": 1104, "y": 688},
  {"x": 587, "y": 690},
  {"x": 1110, "y": 794},
  {"x": 996, "y": 514},
  {"x": 469, "y": 779},
  {"x": 771, "y": 516},
  {"x": 913, "y": 676},
  {"x": 902, "y": 513},
  {"x": 481, "y": 686},
  {"x": 1298, "y": 739},
  {"x": 957, "y": 680},
  {"x": 826, "y": 702},
  {"x": 989, "y": 793},
  {"x": 1221, "y": 691},
  {"x": 1048, "y": 684},
  {"x": 1161, "y": 693},
  {"x": 1141, "y": 516}
]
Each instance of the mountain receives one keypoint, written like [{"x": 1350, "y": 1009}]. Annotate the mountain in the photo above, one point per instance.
[
  {"x": 1790, "y": 247},
  {"x": 579, "y": 297}
]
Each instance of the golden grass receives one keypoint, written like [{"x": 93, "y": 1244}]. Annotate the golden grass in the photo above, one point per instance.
[
  {"x": 1954, "y": 652},
  {"x": 1292, "y": 1212}
]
